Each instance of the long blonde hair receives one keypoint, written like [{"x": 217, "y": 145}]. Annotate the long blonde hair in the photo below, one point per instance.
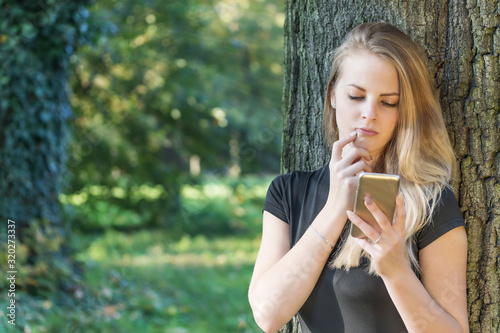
[{"x": 419, "y": 152}]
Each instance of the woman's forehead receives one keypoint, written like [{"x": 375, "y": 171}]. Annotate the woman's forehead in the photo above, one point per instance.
[{"x": 366, "y": 70}]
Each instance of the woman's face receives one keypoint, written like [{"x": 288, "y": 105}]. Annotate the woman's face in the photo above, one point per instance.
[{"x": 366, "y": 98}]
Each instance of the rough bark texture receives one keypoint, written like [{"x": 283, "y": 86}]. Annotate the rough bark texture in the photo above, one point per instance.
[{"x": 461, "y": 40}]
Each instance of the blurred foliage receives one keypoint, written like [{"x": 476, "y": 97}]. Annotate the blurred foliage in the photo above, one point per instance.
[
  {"x": 221, "y": 206},
  {"x": 177, "y": 81}
]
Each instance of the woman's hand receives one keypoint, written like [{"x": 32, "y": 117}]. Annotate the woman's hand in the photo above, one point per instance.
[
  {"x": 385, "y": 245},
  {"x": 344, "y": 172}
]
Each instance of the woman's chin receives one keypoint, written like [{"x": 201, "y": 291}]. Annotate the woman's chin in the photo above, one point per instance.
[{"x": 361, "y": 143}]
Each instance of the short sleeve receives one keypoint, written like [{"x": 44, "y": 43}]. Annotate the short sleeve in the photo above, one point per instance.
[
  {"x": 446, "y": 217},
  {"x": 275, "y": 198}
]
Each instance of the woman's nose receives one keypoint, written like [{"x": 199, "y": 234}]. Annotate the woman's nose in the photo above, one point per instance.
[{"x": 369, "y": 110}]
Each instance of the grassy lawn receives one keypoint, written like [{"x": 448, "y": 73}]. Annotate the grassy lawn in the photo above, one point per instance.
[
  {"x": 153, "y": 284},
  {"x": 155, "y": 281}
]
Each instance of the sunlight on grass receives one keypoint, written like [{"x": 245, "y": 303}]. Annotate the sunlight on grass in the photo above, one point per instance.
[
  {"x": 143, "y": 191},
  {"x": 115, "y": 248},
  {"x": 208, "y": 191},
  {"x": 216, "y": 191},
  {"x": 190, "y": 192},
  {"x": 216, "y": 187},
  {"x": 190, "y": 284}
]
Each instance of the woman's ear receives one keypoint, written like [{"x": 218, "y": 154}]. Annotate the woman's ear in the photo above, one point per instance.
[{"x": 332, "y": 99}]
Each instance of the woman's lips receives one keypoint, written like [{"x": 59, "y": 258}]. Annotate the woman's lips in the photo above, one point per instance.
[{"x": 366, "y": 131}]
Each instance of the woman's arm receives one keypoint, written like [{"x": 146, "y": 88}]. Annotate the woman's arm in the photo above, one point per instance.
[
  {"x": 438, "y": 302},
  {"x": 283, "y": 278}
]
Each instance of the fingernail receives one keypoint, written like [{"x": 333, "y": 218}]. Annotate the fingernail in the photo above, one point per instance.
[
  {"x": 349, "y": 213},
  {"x": 368, "y": 200},
  {"x": 354, "y": 133}
]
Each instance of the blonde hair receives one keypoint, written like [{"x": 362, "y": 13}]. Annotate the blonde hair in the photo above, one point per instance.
[{"x": 419, "y": 152}]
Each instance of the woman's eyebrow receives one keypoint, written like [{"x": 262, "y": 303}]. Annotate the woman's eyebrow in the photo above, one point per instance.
[{"x": 364, "y": 90}]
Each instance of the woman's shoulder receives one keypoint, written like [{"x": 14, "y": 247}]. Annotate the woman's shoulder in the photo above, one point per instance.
[
  {"x": 288, "y": 193},
  {"x": 293, "y": 185},
  {"x": 447, "y": 207},
  {"x": 298, "y": 177},
  {"x": 446, "y": 216}
]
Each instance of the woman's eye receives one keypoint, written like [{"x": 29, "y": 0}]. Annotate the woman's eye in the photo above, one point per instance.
[
  {"x": 356, "y": 98},
  {"x": 390, "y": 104}
]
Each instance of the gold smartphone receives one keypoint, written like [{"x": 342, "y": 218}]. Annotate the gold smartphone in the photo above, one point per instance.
[{"x": 382, "y": 189}]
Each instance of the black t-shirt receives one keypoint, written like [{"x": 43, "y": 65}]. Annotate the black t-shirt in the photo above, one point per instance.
[{"x": 345, "y": 301}]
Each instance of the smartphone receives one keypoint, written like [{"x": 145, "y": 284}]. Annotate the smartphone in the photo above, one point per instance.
[{"x": 382, "y": 189}]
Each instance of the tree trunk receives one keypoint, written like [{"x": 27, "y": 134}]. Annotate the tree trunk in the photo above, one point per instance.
[
  {"x": 461, "y": 40},
  {"x": 36, "y": 42}
]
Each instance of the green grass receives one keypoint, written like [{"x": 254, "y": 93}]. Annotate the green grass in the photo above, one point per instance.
[
  {"x": 157, "y": 281},
  {"x": 189, "y": 285}
]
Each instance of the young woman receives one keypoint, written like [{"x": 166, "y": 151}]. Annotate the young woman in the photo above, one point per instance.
[{"x": 407, "y": 275}]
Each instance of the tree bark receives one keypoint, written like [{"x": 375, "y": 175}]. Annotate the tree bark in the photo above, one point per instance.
[
  {"x": 461, "y": 40},
  {"x": 36, "y": 42}
]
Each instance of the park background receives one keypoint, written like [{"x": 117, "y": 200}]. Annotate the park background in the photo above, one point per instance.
[{"x": 138, "y": 141}]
